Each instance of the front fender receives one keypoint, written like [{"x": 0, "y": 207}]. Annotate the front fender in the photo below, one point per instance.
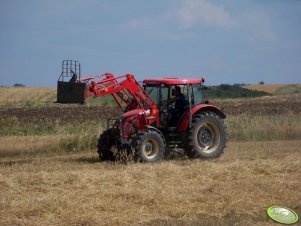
[{"x": 158, "y": 131}]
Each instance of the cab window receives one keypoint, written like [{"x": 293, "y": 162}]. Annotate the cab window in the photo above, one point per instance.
[{"x": 197, "y": 95}]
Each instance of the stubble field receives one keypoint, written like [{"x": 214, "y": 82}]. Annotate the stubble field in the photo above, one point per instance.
[{"x": 50, "y": 173}]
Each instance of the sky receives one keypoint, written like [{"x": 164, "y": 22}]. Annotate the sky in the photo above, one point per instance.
[{"x": 228, "y": 42}]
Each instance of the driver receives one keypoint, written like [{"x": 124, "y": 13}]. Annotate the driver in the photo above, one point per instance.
[{"x": 180, "y": 106}]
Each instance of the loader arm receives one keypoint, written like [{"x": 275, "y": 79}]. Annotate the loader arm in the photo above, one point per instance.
[
  {"x": 123, "y": 88},
  {"x": 91, "y": 87},
  {"x": 126, "y": 91}
]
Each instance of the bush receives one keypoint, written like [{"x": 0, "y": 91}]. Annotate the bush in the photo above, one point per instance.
[
  {"x": 231, "y": 91},
  {"x": 19, "y": 85}
]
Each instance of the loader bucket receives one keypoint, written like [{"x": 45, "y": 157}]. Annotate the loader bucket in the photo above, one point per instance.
[{"x": 70, "y": 92}]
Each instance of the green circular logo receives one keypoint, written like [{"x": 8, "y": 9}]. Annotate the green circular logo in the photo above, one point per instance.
[{"x": 282, "y": 214}]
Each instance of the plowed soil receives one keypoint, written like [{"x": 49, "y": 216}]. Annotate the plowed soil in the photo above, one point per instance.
[
  {"x": 290, "y": 104},
  {"x": 269, "y": 105},
  {"x": 60, "y": 115}
]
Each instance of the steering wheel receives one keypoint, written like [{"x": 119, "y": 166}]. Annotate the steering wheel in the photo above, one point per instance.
[{"x": 163, "y": 105}]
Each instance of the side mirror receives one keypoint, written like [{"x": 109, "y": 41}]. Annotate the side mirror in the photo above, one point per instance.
[{"x": 203, "y": 87}]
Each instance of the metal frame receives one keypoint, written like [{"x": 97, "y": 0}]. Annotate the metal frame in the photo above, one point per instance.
[{"x": 69, "y": 67}]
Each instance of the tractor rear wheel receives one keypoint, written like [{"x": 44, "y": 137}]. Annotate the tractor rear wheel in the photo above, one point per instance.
[
  {"x": 105, "y": 146},
  {"x": 207, "y": 136},
  {"x": 149, "y": 146}
]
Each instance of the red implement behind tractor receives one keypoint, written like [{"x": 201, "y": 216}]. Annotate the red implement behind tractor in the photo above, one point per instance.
[{"x": 161, "y": 116}]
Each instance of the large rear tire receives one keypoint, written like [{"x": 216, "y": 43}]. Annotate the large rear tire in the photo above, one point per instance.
[
  {"x": 149, "y": 146},
  {"x": 105, "y": 146},
  {"x": 207, "y": 136}
]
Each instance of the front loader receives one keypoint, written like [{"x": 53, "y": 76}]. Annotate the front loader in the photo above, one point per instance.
[{"x": 150, "y": 127}]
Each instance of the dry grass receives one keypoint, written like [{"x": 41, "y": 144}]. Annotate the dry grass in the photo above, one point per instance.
[
  {"x": 269, "y": 88},
  {"x": 46, "y": 145},
  {"x": 26, "y": 145},
  {"x": 55, "y": 180},
  {"x": 40, "y": 96},
  {"x": 26, "y": 95},
  {"x": 247, "y": 127},
  {"x": 76, "y": 189}
]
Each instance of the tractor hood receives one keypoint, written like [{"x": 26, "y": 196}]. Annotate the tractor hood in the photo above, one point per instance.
[
  {"x": 131, "y": 122},
  {"x": 135, "y": 112}
]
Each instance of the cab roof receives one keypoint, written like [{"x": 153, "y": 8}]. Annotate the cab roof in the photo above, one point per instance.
[{"x": 171, "y": 81}]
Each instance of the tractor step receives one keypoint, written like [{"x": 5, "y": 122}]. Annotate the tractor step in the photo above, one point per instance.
[{"x": 171, "y": 129}]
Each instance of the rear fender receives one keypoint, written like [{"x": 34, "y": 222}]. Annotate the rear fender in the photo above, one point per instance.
[{"x": 196, "y": 110}]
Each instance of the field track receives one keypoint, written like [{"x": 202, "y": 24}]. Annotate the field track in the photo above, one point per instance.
[
  {"x": 77, "y": 189},
  {"x": 54, "y": 177}
]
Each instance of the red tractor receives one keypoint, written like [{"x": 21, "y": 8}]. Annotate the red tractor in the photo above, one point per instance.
[{"x": 160, "y": 116}]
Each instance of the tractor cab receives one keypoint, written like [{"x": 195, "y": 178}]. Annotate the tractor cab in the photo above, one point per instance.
[
  {"x": 174, "y": 97},
  {"x": 187, "y": 121}
]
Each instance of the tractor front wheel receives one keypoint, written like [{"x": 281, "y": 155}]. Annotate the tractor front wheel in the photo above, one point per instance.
[
  {"x": 105, "y": 146},
  {"x": 207, "y": 136},
  {"x": 149, "y": 146}
]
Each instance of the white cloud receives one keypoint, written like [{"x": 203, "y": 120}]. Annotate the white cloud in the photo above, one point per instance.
[
  {"x": 202, "y": 12},
  {"x": 257, "y": 25},
  {"x": 181, "y": 21}
]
